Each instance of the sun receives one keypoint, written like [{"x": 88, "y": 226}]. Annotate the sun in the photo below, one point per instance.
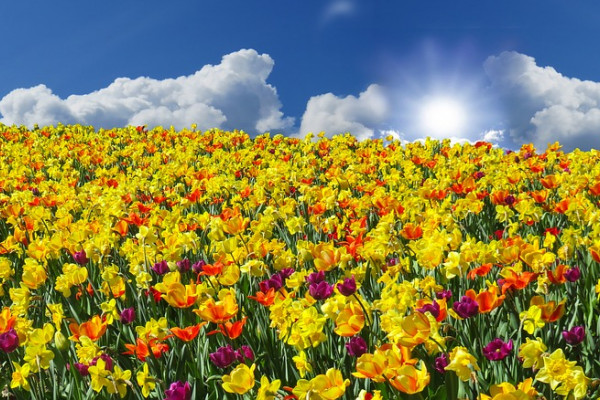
[{"x": 442, "y": 116}]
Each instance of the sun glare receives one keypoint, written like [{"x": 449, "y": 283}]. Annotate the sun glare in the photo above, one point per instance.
[{"x": 442, "y": 116}]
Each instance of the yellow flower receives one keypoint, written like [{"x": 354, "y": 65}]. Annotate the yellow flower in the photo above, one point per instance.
[
  {"x": 146, "y": 382},
  {"x": 19, "y": 376},
  {"x": 555, "y": 370},
  {"x": 302, "y": 363},
  {"x": 119, "y": 381},
  {"x": 38, "y": 357},
  {"x": 532, "y": 319},
  {"x": 34, "y": 274},
  {"x": 328, "y": 386},
  {"x": 409, "y": 379},
  {"x": 267, "y": 391},
  {"x": 531, "y": 352},
  {"x": 462, "y": 363},
  {"x": 240, "y": 380},
  {"x": 98, "y": 375}
]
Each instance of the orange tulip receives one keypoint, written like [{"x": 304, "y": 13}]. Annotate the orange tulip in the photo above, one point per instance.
[
  {"x": 94, "y": 329},
  {"x": 189, "y": 333},
  {"x": 266, "y": 299},
  {"x": 488, "y": 299},
  {"x": 229, "y": 329},
  {"x": 409, "y": 379},
  {"x": 7, "y": 320},
  {"x": 482, "y": 270},
  {"x": 551, "y": 311},
  {"x": 517, "y": 281},
  {"x": 558, "y": 275},
  {"x": 350, "y": 320},
  {"x": 142, "y": 349},
  {"x": 220, "y": 311},
  {"x": 411, "y": 231},
  {"x": 371, "y": 366}
]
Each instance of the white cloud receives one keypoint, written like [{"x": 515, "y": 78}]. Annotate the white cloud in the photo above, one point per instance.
[
  {"x": 493, "y": 136},
  {"x": 544, "y": 106},
  {"x": 338, "y": 8},
  {"x": 231, "y": 95},
  {"x": 360, "y": 116}
]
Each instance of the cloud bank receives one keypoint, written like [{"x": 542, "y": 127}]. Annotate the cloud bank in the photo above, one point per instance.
[
  {"x": 544, "y": 106},
  {"x": 231, "y": 95},
  {"x": 360, "y": 115}
]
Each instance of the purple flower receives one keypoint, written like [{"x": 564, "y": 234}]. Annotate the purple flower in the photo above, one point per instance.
[
  {"x": 444, "y": 294},
  {"x": 128, "y": 315},
  {"x": 178, "y": 391},
  {"x": 198, "y": 266},
  {"x": 573, "y": 274},
  {"x": 244, "y": 352},
  {"x": 80, "y": 257},
  {"x": 321, "y": 290},
  {"x": 433, "y": 308},
  {"x": 510, "y": 200},
  {"x": 575, "y": 335},
  {"x": 82, "y": 369},
  {"x": 161, "y": 268},
  {"x": 274, "y": 281},
  {"x": 348, "y": 287},
  {"x": 441, "y": 362},
  {"x": 316, "y": 277},
  {"x": 497, "y": 350},
  {"x": 107, "y": 361},
  {"x": 466, "y": 307},
  {"x": 9, "y": 341},
  {"x": 356, "y": 346},
  {"x": 286, "y": 273},
  {"x": 183, "y": 265},
  {"x": 392, "y": 261},
  {"x": 223, "y": 357}
]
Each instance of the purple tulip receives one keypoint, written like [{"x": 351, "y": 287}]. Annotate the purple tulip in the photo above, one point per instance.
[
  {"x": 392, "y": 261},
  {"x": 575, "y": 335},
  {"x": 198, "y": 266},
  {"x": 179, "y": 391},
  {"x": 183, "y": 265},
  {"x": 444, "y": 294},
  {"x": 161, "y": 267},
  {"x": 510, "y": 200},
  {"x": 357, "y": 346},
  {"x": 274, "y": 282},
  {"x": 348, "y": 287},
  {"x": 286, "y": 273},
  {"x": 441, "y": 362},
  {"x": 82, "y": 369},
  {"x": 243, "y": 353},
  {"x": 466, "y": 307},
  {"x": 321, "y": 290},
  {"x": 223, "y": 357},
  {"x": 107, "y": 361},
  {"x": 433, "y": 308},
  {"x": 497, "y": 350},
  {"x": 128, "y": 315},
  {"x": 9, "y": 341},
  {"x": 316, "y": 277},
  {"x": 573, "y": 274},
  {"x": 80, "y": 257}
]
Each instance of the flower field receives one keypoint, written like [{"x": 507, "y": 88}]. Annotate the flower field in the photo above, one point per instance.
[{"x": 191, "y": 265}]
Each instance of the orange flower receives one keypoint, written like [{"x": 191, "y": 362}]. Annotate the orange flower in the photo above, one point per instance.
[
  {"x": 231, "y": 330},
  {"x": 350, "y": 320},
  {"x": 483, "y": 270},
  {"x": 236, "y": 225},
  {"x": 371, "y": 366},
  {"x": 266, "y": 299},
  {"x": 409, "y": 379},
  {"x": 558, "y": 275},
  {"x": 488, "y": 299},
  {"x": 595, "y": 190},
  {"x": 516, "y": 281},
  {"x": 411, "y": 231},
  {"x": 220, "y": 311},
  {"x": 94, "y": 329},
  {"x": 7, "y": 320},
  {"x": 189, "y": 333},
  {"x": 539, "y": 196},
  {"x": 551, "y": 311},
  {"x": 141, "y": 349}
]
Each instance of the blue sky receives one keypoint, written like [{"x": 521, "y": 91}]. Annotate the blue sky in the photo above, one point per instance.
[{"x": 506, "y": 71}]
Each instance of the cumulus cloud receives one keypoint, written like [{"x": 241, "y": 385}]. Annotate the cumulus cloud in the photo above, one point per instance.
[
  {"x": 231, "y": 95},
  {"x": 494, "y": 136},
  {"x": 362, "y": 116},
  {"x": 544, "y": 106}
]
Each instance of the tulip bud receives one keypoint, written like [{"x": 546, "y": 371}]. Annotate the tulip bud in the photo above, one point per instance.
[{"x": 60, "y": 341}]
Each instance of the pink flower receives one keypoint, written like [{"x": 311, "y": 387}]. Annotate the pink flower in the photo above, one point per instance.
[{"x": 497, "y": 350}]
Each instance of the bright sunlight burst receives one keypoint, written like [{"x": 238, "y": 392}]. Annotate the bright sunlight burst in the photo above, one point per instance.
[{"x": 442, "y": 116}]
